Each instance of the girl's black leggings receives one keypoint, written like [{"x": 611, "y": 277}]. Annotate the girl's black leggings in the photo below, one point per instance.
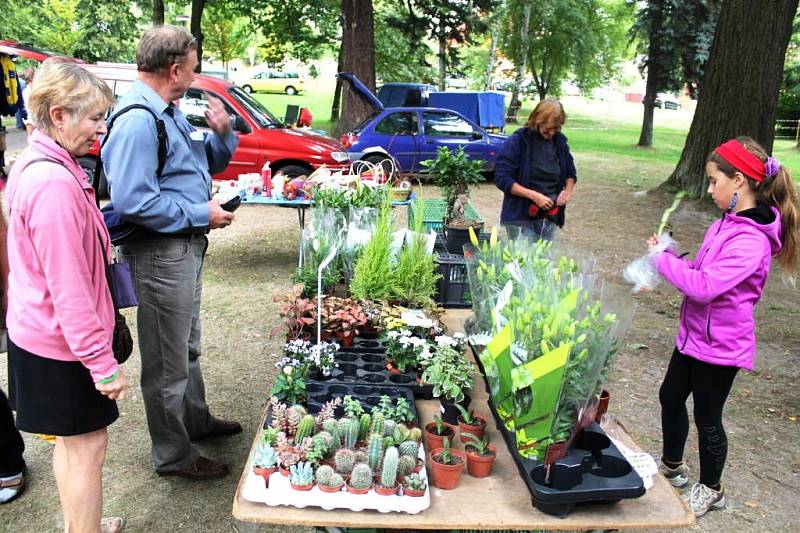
[{"x": 709, "y": 384}]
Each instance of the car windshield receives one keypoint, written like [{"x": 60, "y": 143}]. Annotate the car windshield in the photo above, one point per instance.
[{"x": 257, "y": 110}]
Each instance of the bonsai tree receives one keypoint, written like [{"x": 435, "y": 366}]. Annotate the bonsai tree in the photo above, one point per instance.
[{"x": 454, "y": 172}]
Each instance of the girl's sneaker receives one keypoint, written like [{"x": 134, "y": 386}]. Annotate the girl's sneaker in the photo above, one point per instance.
[
  {"x": 678, "y": 476},
  {"x": 703, "y": 499}
]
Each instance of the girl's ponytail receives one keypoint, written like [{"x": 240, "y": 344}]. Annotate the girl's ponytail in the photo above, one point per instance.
[{"x": 780, "y": 192}]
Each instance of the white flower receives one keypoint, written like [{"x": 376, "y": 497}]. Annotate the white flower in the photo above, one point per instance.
[
  {"x": 444, "y": 340},
  {"x": 393, "y": 334},
  {"x": 288, "y": 370},
  {"x": 416, "y": 318}
]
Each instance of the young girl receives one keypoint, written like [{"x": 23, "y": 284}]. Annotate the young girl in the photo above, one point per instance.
[{"x": 721, "y": 288}]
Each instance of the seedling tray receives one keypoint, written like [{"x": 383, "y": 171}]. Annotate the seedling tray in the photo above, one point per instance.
[
  {"x": 365, "y": 363},
  {"x": 321, "y": 392}
]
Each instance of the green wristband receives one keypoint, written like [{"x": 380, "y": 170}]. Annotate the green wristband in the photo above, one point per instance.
[{"x": 109, "y": 379}]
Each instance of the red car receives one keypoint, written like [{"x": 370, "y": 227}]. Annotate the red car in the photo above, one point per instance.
[{"x": 262, "y": 136}]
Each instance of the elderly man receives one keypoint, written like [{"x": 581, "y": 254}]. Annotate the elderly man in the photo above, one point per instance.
[{"x": 167, "y": 196}]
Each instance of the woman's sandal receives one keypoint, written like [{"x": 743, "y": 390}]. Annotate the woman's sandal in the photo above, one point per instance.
[
  {"x": 14, "y": 486},
  {"x": 112, "y": 524}
]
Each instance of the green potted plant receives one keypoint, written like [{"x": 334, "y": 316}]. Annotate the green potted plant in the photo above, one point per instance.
[
  {"x": 349, "y": 318},
  {"x": 450, "y": 374},
  {"x": 437, "y": 431},
  {"x": 414, "y": 485},
  {"x": 301, "y": 476},
  {"x": 446, "y": 466},
  {"x": 480, "y": 455},
  {"x": 265, "y": 461},
  {"x": 469, "y": 423},
  {"x": 454, "y": 172}
]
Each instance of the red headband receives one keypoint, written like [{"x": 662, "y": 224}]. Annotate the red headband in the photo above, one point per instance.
[{"x": 739, "y": 158}]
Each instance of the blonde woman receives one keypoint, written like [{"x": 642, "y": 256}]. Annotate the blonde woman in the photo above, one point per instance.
[
  {"x": 63, "y": 378},
  {"x": 536, "y": 172}
]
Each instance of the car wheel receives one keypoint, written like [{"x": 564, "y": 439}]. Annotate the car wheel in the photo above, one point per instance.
[
  {"x": 380, "y": 159},
  {"x": 294, "y": 171},
  {"x": 89, "y": 165},
  {"x": 291, "y": 90},
  {"x": 248, "y": 89}
]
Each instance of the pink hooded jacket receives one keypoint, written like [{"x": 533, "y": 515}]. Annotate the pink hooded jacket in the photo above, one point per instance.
[
  {"x": 59, "y": 305},
  {"x": 721, "y": 288}
]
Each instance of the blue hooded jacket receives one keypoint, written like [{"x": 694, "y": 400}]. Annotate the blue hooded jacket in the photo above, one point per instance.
[{"x": 513, "y": 166}]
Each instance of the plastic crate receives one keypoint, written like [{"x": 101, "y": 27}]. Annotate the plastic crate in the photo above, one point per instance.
[
  {"x": 440, "y": 246},
  {"x": 452, "y": 290},
  {"x": 433, "y": 213}
]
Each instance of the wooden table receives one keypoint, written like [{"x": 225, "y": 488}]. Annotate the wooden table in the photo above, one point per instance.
[{"x": 501, "y": 501}]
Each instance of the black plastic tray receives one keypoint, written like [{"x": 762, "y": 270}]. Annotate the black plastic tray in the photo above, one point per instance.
[{"x": 365, "y": 363}]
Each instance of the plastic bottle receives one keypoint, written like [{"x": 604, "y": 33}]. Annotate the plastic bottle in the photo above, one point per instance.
[{"x": 266, "y": 178}]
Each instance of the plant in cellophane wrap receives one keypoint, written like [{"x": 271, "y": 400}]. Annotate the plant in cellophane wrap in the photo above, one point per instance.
[
  {"x": 359, "y": 231},
  {"x": 325, "y": 231}
]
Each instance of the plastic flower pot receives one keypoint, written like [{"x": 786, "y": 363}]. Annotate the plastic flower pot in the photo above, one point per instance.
[
  {"x": 383, "y": 491},
  {"x": 353, "y": 490},
  {"x": 449, "y": 410},
  {"x": 476, "y": 429},
  {"x": 264, "y": 472},
  {"x": 437, "y": 441},
  {"x": 602, "y": 405},
  {"x": 346, "y": 339},
  {"x": 556, "y": 451},
  {"x": 413, "y": 493},
  {"x": 447, "y": 477},
  {"x": 420, "y": 465},
  {"x": 480, "y": 465},
  {"x": 284, "y": 471},
  {"x": 325, "y": 488},
  {"x": 301, "y": 488}
]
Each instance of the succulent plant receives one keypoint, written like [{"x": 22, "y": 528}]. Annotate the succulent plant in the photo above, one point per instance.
[
  {"x": 375, "y": 452},
  {"x": 327, "y": 410},
  {"x": 328, "y": 477},
  {"x": 332, "y": 427},
  {"x": 294, "y": 415},
  {"x": 348, "y": 430},
  {"x": 282, "y": 442},
  {"x": 406, "y": 465},
  {"x": 265, "y": 456},
  {"x": 415, "y": 434},
  {"x": 360, "y": 456},
  {"x": 410, "y": 448},
  {"x": 415, "y": 482},
  {"x": 301, "y": 474},
  {"x": 305, "y": 428},
  {"x": 343, "y": 461},
  {"x": 269, "y": 435},
  {"x": 288, "y": 459},
  {"x": 389, "y": 427},
  {"x": 361, "y": 478},
  {"x": 363, "y": 426},
  {"x": 401, "y": 433},
  {"x": 352, "y": 407},
  {"x": 389, "y": 468},
  {"x": 376, "y": 426},
  {"x": 278, "y": 413}
]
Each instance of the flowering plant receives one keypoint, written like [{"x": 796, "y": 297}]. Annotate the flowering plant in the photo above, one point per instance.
[
  {"x": 290, "y": 386},
  {"x": 306, "y": 356},
  {"x": 414, "y": 320},
  {"x": 458, "y": 342},
  {"x": 406, "y": 350}
]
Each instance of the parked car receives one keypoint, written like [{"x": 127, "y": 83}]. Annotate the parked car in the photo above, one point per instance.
[
  {"x": 413, "y": 134},
  {"x": 666, "y": 101},
  {"x": 274, "y": 81},
  {"x": 396, "y": 94}
]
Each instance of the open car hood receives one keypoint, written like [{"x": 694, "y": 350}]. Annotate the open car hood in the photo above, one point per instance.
[{"x": 361, "y": 90}]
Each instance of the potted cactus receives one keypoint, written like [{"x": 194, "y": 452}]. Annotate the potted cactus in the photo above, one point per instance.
[
  {"x": 480, "y": 455},
  {"x": 265, "y": 461},
  {"x": 360, "y": 479},
  {"x": 287, "y": 459},
  {"x": 446, "y": 466},
  {"x": 436, "y": 431},
  {"x": 302, "y": 476},
  {"x": 328, "y": 480},
  {"x": 469, "y": 423},
  {"x": 343, "y": 461},
  {"x": 414, "y": 486},
  {"x": 387, "y": 486}
]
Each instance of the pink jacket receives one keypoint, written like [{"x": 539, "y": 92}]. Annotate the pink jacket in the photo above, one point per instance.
[
  {"x": 721, "y": 288},
  {"x": 59, "y": 305}
]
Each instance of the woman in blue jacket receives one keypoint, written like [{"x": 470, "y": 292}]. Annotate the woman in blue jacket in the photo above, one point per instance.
[{"x": 536, "y": 172}]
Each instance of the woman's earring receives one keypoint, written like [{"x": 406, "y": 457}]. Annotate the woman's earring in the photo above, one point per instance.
[{"x": 732, "y": 203}]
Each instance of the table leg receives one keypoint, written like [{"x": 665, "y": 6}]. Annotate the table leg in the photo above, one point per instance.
[{"x": 301, "y": 218}]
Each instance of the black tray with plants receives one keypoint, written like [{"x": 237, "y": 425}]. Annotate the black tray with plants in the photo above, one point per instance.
[
  {"x": 369, "y": 368},
  {"x": 391, "y": 401}
]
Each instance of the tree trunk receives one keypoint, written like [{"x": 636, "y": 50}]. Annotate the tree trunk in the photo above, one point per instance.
[
  {"x": 487, "y": 84},
  {"x": 442, "y": 59},
  {"x": 337, "y": 92},
  {"x": 358, "y": 56},
  {"x": 522, "y": 63},
  {"x": 651, "y": 88},
  {"x": 739, "y": 91},
  {"x": 158, "y": 12},
  {"x": 197, "y": 17}
]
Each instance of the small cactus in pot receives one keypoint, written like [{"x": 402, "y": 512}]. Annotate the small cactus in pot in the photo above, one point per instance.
[
  {"x": 414, "y": 485},
  {"x": 301, "y": 476},
  {"x": 388, "y": 482},
  {"x": 329, "y": 480},
  {"x": 360, "y": 479},
  {"x": 265, "y": 461}
]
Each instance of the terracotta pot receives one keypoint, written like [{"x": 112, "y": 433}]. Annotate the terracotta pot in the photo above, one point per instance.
[
  {"x": 413, "y": 493},
  {"x": 325, "y": 488},
  {"x": 437, "y": 441},
  {"x": 420, "y": 465},
  {"x": 447, "y": 477},
  {"x": 265, "y": 473},
  {"x": 325, "y": 335},
  {"x": 602, "y": 406},
  {"x": 477, "y": 429},
  {"x": 347, "y": 340},
  {"x": 301, "y": 488},
  {"x": 351, "y": 490},
  {"x": 383, "y": 491},
  {"x": 480, "y": 465},
  {"x": 393, "y": 369},
  {"x": 284, "y": 471},
  {"x": 556, "y": 451}
]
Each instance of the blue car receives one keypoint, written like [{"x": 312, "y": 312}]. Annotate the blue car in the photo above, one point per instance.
[{"x": 413, "y": 134}]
